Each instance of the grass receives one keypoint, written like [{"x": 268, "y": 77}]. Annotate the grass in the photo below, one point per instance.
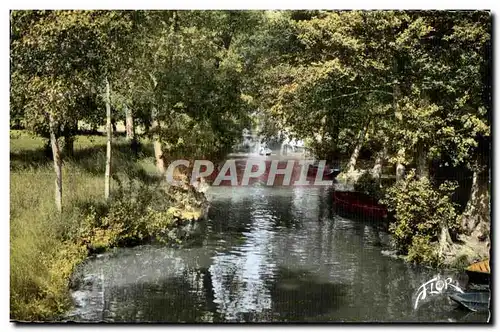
[
  {"x": 45, "y": 245},
  {"x": 42, "y": 254},
  {"x": 37, "y": 245}
]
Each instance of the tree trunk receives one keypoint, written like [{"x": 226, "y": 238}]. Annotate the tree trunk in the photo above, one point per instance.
[
  {"x": 422, "y": 162},
  {"x": 47, "y": 149},
  {"x": 68, "y": 147},
  {"x": 109, "y": 131},
  {"x": 155, "y": 126},
  {"x": 354, "y": 156},
  {"x": 69, "y": 132},
  {"x": 379, "y": 163},
  {"x": 476, "y": 217},
  {"x": 333, "y": 154},
  {"x": 400, "y": 168},
  {"x": 57, "y": 163},
  {"x": 396, "y": 92},
  {"x": 113, "y": 125},
  {"x": 444, "y": 241},
  {"x": 129, "y": 124}
]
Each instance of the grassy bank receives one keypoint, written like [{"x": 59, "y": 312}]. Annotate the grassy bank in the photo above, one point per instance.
[{"x": 45, "y": 245}]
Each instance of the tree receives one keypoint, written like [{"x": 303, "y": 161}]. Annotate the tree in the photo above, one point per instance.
[
  {"x": 58, "y": 58},
  {"x": 187, "y": 72},
  {"x": 49, "y": 80},
  {"x": 109, "y": 134},
  {"x": 419, "y": 79}
]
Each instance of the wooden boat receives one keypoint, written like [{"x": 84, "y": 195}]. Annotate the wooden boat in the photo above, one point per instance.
[
  {"x": 474, "y": 301},
  {"x": 360, "y": 204},
  {"x": 479, "y": 273}
]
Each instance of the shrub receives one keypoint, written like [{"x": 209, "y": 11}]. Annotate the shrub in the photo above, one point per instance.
[
  {"x": 350, "y": 177},
  {"x": 40, "y": 261},
  {"x": 46, "y": 245},
  {"x": 138, "y": 213},
  {"x": 422, "y": 251},
  {"x": 368, "y": 185},
  {"x": 420, "y": 212}
]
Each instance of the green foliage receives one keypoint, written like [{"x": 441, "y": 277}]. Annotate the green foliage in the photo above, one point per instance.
[
  {"x": 58, "y": 61},
  {"x": 45, "y": 246},
  {"x": 368, "y": 185},
  {"x": 422, "y": 80},
  {"x": 422, "y": 251},
  {"x": 420, "y": 76},
  {"x": 420, "y": 211},
  {"x": 41, "y": 257},
  {"x": 138, "y": 213},
  {"x": 188, "y": 67}
]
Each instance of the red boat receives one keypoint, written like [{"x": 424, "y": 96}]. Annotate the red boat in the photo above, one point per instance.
[{"x": 359, "y": 204}]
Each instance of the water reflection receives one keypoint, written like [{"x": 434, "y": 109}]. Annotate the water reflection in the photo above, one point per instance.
[
  {"x": 238, "y": 275},
  {"x": 268, "y": 254}
]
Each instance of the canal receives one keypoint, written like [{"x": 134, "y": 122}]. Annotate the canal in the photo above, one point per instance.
[{"x": 265, "y": 254}]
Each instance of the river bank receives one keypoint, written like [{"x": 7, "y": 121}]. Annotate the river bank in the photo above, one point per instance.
[
  {"x": 45, "y": 246},
  {"x": 279, "y": 254},
  {"x": 434, "y": 246},
  {"x": 48, "y": 249}
]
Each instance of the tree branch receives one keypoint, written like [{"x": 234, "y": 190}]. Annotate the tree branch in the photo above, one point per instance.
[{"x": 357, "y": 93}]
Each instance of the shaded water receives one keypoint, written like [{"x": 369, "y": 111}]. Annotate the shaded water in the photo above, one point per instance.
[{"x": 266, "y": 254}]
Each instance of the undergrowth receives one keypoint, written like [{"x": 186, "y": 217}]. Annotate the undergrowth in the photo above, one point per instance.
[{"x": 45, "y": 246}]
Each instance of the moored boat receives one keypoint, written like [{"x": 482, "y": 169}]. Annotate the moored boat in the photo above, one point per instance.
[
  {"x": 360, "y": 204},
  {"x": 479, "y": 273},
  {"x": 474, "y": 301}
]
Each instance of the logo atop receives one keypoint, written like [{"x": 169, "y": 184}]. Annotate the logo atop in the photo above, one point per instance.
[
  {"x": 244, "y": 172},
  {"x": 436, "y": 286}
]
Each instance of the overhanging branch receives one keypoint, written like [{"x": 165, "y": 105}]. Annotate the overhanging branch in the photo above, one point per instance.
[{"x": 357, "y": 93}]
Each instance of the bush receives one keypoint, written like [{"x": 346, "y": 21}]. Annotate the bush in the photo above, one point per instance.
[
  {"x": 350, "y": 177},
  {"x": 420, "y": 212},
  {"x": 138, "y": 213},
  {"x": 46, "y": 245},
  {"x": 422, "y": 251},
  {"x": 40, "y": 260},
  {"x": 368, "y": 185}
]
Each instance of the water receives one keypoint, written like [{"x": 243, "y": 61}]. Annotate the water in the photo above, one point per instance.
[{"x": 266, "y": 255}]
